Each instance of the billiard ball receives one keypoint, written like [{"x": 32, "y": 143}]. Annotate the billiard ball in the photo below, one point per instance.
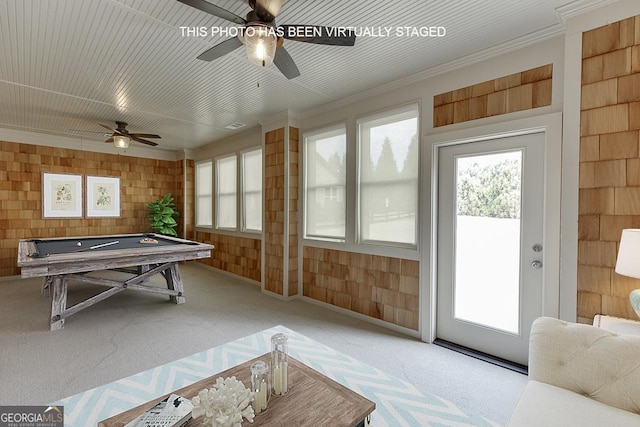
[{"x": 79, "y": 244}]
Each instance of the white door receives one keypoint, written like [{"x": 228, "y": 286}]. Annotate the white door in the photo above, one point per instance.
[{"x": 490, "y": 228}]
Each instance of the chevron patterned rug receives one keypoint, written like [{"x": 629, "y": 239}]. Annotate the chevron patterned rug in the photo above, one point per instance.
[{"x": 398, "y": 403}]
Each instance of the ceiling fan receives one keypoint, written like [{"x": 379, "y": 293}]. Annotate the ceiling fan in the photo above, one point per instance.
[
  {"x": 120, "y": 136},
  {"x": 263, "y": 39}
]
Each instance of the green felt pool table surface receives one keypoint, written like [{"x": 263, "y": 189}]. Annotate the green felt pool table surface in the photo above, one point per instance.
[{"x": 78, "y": 244}]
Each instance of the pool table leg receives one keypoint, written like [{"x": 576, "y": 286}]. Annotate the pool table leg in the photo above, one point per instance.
[
  {"x": 174, "y": 282},
  {"x": 46, "y": 286},
  {"x": 58, "y": 302}
]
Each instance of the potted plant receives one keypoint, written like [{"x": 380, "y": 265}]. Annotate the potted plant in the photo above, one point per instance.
[{"x": 162, "y": 215}]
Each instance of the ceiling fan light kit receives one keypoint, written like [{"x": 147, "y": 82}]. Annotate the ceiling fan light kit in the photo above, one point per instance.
[
  {"x": 121, "y": 137},
  {"x": 261, "y": 43},
  {"x": 121, "y": 141}
]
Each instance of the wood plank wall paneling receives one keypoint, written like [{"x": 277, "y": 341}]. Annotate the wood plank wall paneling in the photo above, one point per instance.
[
  {"x": 516, "y": 92},
  {"x": 235, "y": 254},
  {"x": 377, "y": 286},
  {"x": 21, "y": 169},
  {"x": 609, "y": 195}
]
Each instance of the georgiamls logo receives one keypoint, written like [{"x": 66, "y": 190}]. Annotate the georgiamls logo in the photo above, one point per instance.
[{"x": 32, "y": 416}]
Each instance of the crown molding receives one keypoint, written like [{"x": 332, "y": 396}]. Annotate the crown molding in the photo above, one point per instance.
[{"x": 578, "y": 7}]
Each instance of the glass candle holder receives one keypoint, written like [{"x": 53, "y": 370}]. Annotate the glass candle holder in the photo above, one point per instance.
[
  {"x": 260, "y": 386},
  {"x": 279, "y": 365}
]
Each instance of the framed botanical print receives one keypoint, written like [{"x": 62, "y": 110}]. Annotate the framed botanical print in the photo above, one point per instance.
[
  {"x": 103, "y": 196},
  {"x": 61, "y": 196}
]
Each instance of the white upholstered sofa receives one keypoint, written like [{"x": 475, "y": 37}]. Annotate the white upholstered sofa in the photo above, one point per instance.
[{"x": 580, "y": 375}]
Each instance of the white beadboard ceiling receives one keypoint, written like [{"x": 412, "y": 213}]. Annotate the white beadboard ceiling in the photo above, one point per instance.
[{"x": 68, "y": 65}]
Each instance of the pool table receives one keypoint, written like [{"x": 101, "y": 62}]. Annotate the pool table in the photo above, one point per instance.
[{"x": 60, "y": 260}]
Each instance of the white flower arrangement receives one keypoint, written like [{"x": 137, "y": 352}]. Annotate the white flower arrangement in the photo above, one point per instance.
[{"x": 225, "y": 404}]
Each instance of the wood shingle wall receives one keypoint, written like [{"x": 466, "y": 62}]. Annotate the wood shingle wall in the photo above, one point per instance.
[
  {"x": 273, "y": 227},
  {"x": 516, "y": 92},
  {"x": 377, "y": 286},
  {"x": 185, "y": 196},
  {"x": 235, "y": 254},
  {"x": 609, "y": 198},
  {"x": 294, "y": 170},
  {"x": 281, "y": 211}
]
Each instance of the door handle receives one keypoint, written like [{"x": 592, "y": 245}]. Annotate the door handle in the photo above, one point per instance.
[{"x": 536, "y": 264}]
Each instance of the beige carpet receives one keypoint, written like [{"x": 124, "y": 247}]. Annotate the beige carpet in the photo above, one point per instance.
[{"x": 134, "y": 331}]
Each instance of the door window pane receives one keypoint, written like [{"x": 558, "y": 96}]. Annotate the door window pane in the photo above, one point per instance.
[{"x": 487, "y": 243}]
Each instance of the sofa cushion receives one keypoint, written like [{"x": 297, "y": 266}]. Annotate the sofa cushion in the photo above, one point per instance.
[{"x": 549, "y": 406}]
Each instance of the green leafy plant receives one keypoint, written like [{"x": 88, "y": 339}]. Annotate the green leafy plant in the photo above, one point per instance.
[{"x": 162, "y": 215}]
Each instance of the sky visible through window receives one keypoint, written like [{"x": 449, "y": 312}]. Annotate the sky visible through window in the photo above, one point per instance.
[{"x": 329, "y": 146}]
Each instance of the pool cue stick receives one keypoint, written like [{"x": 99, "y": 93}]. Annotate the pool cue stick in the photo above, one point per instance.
[{"x": 102, "y": 245}]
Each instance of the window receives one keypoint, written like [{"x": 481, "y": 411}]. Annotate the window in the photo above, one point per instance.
[
  {"x": 226, "y": 192},
  {"x": 252, "y": 190},
  {"x": 325, "y": 179},
  {"x": 238, "y": 204},
  {"x": 388, "y": 181},
  {"x": 204, "y": 194}
]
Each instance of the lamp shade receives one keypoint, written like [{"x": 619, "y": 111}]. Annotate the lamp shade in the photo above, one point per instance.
[
  {"x": 121, "y": 141},
  {"x": 628, "y": 263},
  {"x": 261, "y": 43}
]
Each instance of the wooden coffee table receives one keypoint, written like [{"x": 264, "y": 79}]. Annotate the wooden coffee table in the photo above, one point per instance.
[{"x": 312, "y": 400}]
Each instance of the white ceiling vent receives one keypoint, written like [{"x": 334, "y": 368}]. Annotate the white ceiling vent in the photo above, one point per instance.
[{"x": 234, "y": 126}]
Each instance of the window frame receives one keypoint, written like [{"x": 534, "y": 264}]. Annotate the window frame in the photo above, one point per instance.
[
  {"x": 328, "y": 132},
  {"x": 198, "y": 197},
  {"x": 381, "y": 118},
  {"x": 242, "y": 209},
  {"x": 217, "y": 192}
]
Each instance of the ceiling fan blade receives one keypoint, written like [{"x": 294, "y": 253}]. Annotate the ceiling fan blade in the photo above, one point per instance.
[
  {"x": 319, "y": 35},
  {"x": 109, "y": 140},
  {"x": 108, "y": 128},
  {"x": 144, "y": 141},
  {"x": 285, "y": 63},
  {"x": 144, "y": 135},
  {"x": 266, "y": 10},
  {"x": 221, "y": 49},
  {"x": 214, "y": 10}
]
